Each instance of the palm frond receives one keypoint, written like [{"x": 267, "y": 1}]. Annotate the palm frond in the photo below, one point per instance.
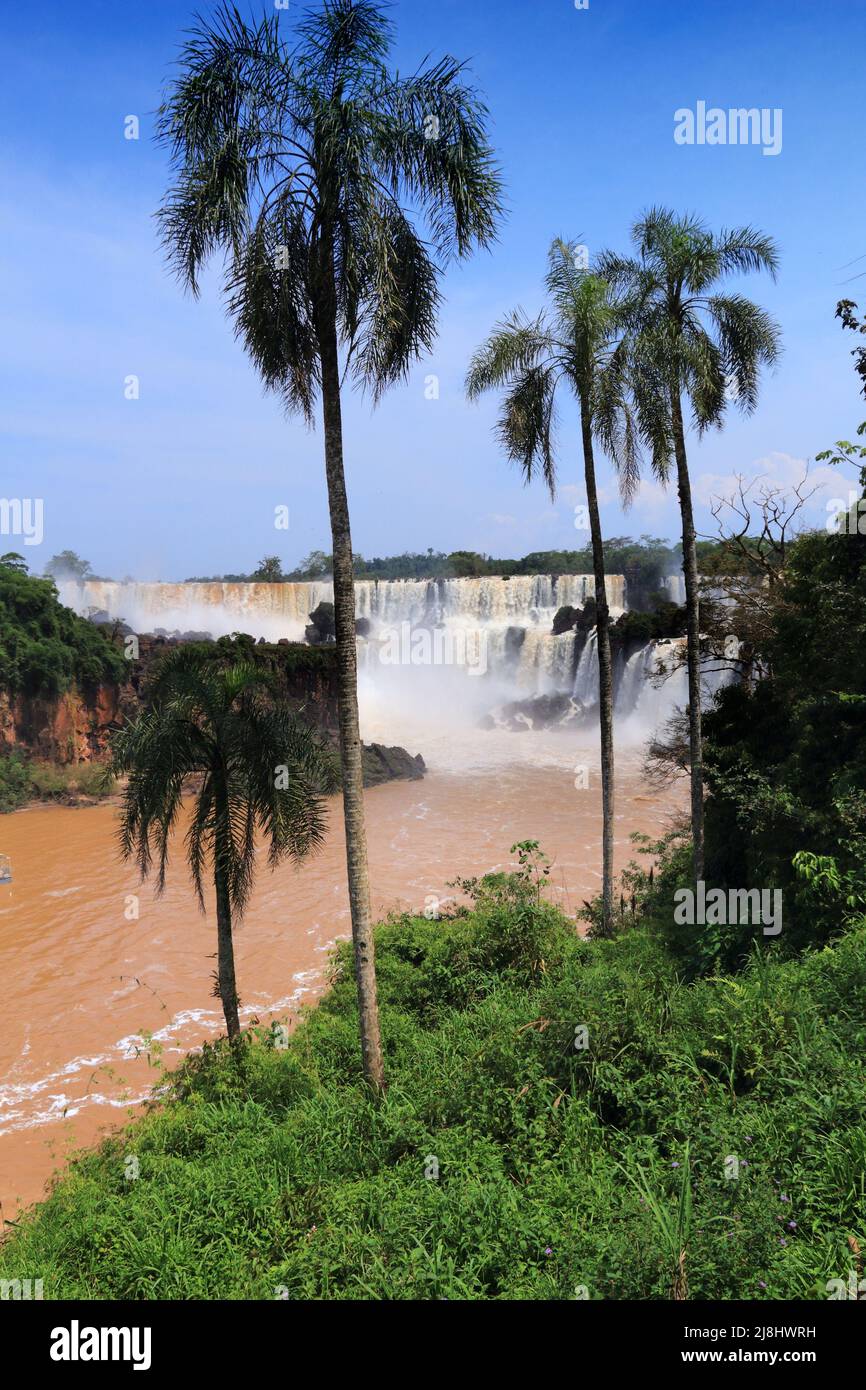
[
  {"x": 516, "y": 346},
  {"x": 220, "y": 720},
  {"x": 364, "y": 182}
]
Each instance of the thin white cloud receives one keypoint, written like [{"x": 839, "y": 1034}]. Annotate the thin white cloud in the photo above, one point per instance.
[{"x": 776, "y": 470}]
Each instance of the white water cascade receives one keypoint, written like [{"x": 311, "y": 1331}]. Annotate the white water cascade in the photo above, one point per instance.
[
  {"x": 496, "y": 629},
  {"x": 496, "y": 626}
]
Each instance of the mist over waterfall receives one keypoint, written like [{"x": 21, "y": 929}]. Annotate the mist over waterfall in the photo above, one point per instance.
[{"x": 449, "y": 649}]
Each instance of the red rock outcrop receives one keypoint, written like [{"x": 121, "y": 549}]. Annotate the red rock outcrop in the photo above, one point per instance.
[{"x": 69, "y": 728}]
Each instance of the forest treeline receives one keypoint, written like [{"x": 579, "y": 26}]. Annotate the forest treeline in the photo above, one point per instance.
[{"x": 645, "y": 562}]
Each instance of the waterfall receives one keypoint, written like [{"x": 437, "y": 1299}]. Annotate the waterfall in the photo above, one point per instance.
[
  {"x": 674, "y": 587},
  {"x": 645, "y": 702},
  {"x": 586, "y": 677},
  {"x": 458, "y": 616},
  {"x": 546, "y": 662},
  {"x": 490, "y": 627},
  {"x": 265, "y": 610}
]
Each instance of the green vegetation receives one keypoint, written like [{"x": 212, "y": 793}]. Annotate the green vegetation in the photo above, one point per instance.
[
  {"x": 24, "y": 779},
  {"x": 44, "y": 647},
  {"x": 786, "y": 757},
  {"x": 50, "y": 782},
  {"x": 16, "y": 787},
  {"x": 277, "y": 1173},
  {"x": 665, "y": 620},
  {"x": 69, "y": 565}
]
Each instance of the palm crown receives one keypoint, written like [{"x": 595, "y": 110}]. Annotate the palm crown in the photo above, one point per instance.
[
  {"x": 260, "y": 770},
  {"x": 686, "y": 338},
  {"x": 576, "y": 341},
  {"x": 299, "y": 162}
]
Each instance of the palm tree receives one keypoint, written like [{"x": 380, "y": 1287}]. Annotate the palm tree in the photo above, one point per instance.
[
  {"x": 256, "y": 767},
  {"x": 576, "y": 342},
  {"x": 300, "y": 163},
  {"x": 688, "y": 341}
]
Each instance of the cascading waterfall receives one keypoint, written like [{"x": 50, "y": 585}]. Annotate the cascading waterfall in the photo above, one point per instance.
[
  {"x": 265, "y": 610},
  {"x": 586, "y": 676},
  {"x": 674, "y": 586},
  {"x": 508, "y": 621},
  {"x": 498, "y": 629},
  {"x": 655, "y": 682}
]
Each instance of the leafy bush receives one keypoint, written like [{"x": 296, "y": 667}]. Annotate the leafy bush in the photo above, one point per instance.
[
  {"x": 507, "y": 1160},
  {"x": 45, "y": 647},
  {"x": 786, "y": 758},
  {"x": 15, "y": 785}
]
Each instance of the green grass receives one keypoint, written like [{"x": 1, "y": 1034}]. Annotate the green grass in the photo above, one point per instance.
[{"x": 560, "y": 1169}]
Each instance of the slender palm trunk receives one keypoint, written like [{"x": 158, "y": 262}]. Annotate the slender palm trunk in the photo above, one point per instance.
[
  {"x": 605, "y": 672},
  {"x": 693, "y": 629},
  {"x": 226, "y": 983},
  {"x": 347, "y": 694}
]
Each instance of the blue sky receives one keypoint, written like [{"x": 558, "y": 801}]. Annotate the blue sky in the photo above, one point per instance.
[{"x": 185, "y": 479}]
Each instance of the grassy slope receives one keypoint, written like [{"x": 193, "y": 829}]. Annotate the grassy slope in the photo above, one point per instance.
[{"x": 282, "y": 1177}]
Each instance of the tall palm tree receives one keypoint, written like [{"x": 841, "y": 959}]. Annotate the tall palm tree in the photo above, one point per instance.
[
  {"x": 690, "y": 341},
  {"x": 312, "y": 168},
  {"x": 577, "y": 342},
  {"x": 257, "y": 769}
]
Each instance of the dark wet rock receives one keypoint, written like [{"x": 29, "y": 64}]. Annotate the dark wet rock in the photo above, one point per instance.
[
  {"x": 321, "y": 628},
  {"x": 382, "y": 764},
  {"x": 565, "y": 620},
  {"x": 537, "y": 712},
  {"x": 570, "y": 619}
]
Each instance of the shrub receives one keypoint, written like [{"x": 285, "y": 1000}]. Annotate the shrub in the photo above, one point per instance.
[
  {"x": 15, "y": 784},
  {"x": 505, "y": 1161},
  {"x": 45, "y": 647}
]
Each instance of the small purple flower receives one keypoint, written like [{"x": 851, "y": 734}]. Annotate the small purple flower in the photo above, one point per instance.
[
  {"x": 761, "y": 1284},
  {"x": 548, "y": 1251},
  {"x": 782, "y": 1240},
  {"x": 792, "y": 1225},
  {"x": 783, "y": 1198},
  {"x": 675, "y": 1165}
]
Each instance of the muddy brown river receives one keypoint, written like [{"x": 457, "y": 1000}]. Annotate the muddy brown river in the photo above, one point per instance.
[{"x": 84, "y": 978}]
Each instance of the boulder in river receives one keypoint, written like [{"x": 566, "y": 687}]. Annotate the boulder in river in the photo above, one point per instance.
[{"x": 382, "y": 764}]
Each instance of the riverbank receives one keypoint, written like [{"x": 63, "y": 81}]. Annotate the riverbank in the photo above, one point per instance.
[
  {"x": 27, "y": 783},
  {"x": 87, "y": 981},
  {"x": 564, "y": 1120}
]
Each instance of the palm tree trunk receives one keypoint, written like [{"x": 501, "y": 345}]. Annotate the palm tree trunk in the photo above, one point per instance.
[
  {"x": 347, "y": 694},
  {"x": 226, "y": 983},
  {"x": 605, "y": 673},
  {"x": 693, "y": 629}
]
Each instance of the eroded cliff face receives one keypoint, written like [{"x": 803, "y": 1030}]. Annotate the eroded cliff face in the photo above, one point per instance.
[
  {"x": 76, "y": 727},
  {"x": 69, "y": 728}
]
